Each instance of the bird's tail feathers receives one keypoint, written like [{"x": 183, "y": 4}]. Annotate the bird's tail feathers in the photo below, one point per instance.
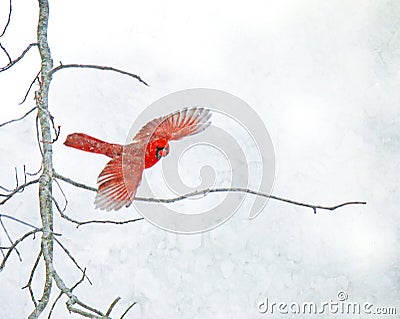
[{"x": 90, "y": 144}]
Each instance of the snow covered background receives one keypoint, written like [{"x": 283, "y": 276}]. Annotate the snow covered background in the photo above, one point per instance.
[{"x": 324, "y": 77}]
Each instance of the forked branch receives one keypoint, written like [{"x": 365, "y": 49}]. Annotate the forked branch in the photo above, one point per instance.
[
  {"x": 13, "y": 62},
  {"x": 17, "y": 190}
]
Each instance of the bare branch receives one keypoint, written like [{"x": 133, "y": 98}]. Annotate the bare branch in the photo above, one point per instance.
[
  {"x": 16, "y": 176},
  {"x": 17, "y": 220},
  {"x": 51, "y": 119},
  {"x": 99, "y": 221},
  {"x": 9, "y": 238},
  {"x": 29, "y": 284},
  {"x": 97, "y": 67},
  {"x": 80, "y": 223},
  {"x": 70, "y": 181},
  {"x": 127, "y": 310},
  {"x": 30, "y": 87},
  {"x": 74, "y": 300},
  {"x": 16, "y": 184},
  {"x": 54, "y": 304},
  {"x": 9, "y": 65},
  {"x": 18, "y": 119},
  {"x": 218, "y": 190},
  {"x": 61, "y": 293},
  {"x": 63, "y": 194},
  {"x": 18, "y": 189},
  {"x": 73, "y": 259},
  {"x": 57, "y": 130},
  {"x": 35, "y": 173},
  {"x": 89, "y": 311},
  {"x": 112, "y": 306},
  {"x": 94, "y": 221},
  {"x": 15, "y": 244},
  {"x": 83, "y": 313},
  {"x": 248, "y": 191},
  {"x": 4, "y": 189},
  {"x": 8, "y": 20},
  {"x": 38, "y": 136}
]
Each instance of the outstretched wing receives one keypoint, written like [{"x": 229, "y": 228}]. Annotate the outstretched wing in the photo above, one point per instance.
[
  {"x": 177, "y": 125},
  {"x": 118, "y": 182}
]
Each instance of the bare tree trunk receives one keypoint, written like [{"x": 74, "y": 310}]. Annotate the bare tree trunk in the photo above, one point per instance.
[{"x": 46, "y": 180}]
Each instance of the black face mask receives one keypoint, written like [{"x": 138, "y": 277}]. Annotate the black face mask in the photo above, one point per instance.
[{"x": 161, "y": 152}]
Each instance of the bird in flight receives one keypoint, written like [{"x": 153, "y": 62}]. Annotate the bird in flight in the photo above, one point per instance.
[{"x": 120, "y": 178}]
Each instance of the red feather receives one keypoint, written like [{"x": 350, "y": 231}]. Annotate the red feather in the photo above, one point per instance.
[{"x": 90, "y": 144}]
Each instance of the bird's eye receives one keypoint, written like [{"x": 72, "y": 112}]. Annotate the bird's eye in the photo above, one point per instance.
[{"x": 161, "y": 152}]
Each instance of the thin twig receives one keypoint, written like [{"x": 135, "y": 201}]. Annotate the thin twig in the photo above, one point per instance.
[
  {"x": 20, "y": 118},
  {"x": 57, "y": 130},
  {"x": 16, "y": 177},
  {"x": 38, "y": 136},
  {"x": 17, "y": 190},
  {"x": 110, "y": 309},
  {"x": 14, "y": 245},
  {"x": 9, "y": 238},
  {"x": 29, "y": 284},
  {"x": 83, "y": 305},
  {"x": 97, "y": 67},
  {"x": 8, "y": 20},
  {"x": 54, "y": 304},
  {"x": 6, "y": 52},
  {"x": 127, "y": 309},
  {"x": 10, "y": 190},
  {"x": 99, "y": 221},
  {"x": 29, "y": 89},
  {"x": 35, "y": 173},
  {"x": 25, "y": 176},
  {"x": 94, "y": 221},
  {"x": 72, "y": 258},
  {"x": 9, "y": 65},
  {"x": 63, "y": 194},
  {"x": 5, "y": 189},
  {"x": 218, "y": 190},
  {"x": 17, "y": 220}
]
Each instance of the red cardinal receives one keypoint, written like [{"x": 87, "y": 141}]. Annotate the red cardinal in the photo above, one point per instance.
[{"x": 119, "y": 180}]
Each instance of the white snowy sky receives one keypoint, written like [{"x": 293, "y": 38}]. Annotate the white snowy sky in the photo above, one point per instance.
[{"x": 323, "y": 76}]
